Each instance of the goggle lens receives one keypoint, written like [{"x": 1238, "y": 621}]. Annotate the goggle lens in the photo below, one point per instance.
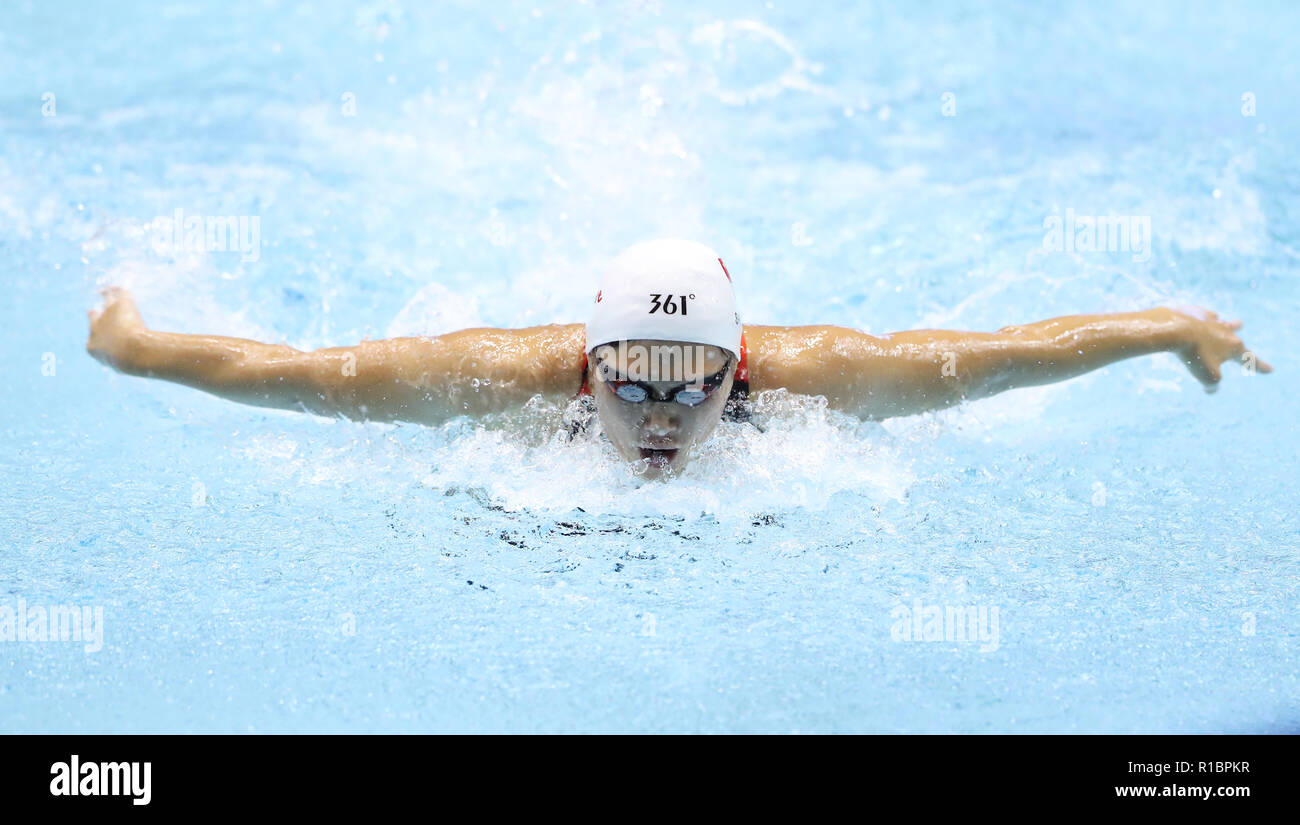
[
  {"x": 631, "y": 393},
  {"x": 688, "y": 395}
]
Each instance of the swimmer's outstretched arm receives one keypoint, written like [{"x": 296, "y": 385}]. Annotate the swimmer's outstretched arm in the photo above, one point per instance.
[
  {"x": 911, "y": 372},
  {"x": 422, "y": 380}
]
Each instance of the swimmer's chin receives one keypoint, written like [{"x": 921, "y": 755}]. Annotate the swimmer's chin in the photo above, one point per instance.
[{"x": 657, "y": 464}]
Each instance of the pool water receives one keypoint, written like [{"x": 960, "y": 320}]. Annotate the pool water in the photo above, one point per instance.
[{"x": 1126, "y": 543}]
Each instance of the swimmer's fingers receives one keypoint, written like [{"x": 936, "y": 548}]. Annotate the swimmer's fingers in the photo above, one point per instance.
[
  {"x": 1197, "y": 313},
  {"x": 1204, "y": 367},
  {"x": 120, "y": 306},
  {"x": 115, "y": 295},
  {"x": 1205, "y": 357},
  {"x": 1253, "y": 363},
  {"x": 1250, "y": 362},
  {"x": 113, "y": 325}
]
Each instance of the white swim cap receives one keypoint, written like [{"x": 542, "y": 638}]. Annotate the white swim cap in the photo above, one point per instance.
[{"x": 666, "y": 290}]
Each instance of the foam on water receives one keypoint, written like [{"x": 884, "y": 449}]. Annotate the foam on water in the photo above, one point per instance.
[
  {"x": 802, "y": 458},
  {"x": 272, "y": 571}
]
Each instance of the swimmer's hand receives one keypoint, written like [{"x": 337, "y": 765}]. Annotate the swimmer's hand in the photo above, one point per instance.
[
  {"x": 1206, "y": 342},
  {"x": 115, "y": 328}
]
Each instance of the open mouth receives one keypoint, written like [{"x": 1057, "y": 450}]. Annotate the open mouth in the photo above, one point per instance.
[{"x": 658, "y": 457}]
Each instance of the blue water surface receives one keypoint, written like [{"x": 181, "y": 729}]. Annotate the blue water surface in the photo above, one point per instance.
[{"x": 417, "y": 168}]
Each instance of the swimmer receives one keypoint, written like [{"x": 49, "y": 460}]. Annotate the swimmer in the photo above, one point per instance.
[{"x": 663, "y": 358}]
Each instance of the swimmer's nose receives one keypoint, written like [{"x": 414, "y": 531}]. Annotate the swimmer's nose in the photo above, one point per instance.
[{"x": 661, "y": 420}]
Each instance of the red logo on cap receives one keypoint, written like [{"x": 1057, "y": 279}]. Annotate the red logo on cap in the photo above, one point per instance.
[
  {"x": 724, "y": 270},
  {"x": 598, "y": 295}
]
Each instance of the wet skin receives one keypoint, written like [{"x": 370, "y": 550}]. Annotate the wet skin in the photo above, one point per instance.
[
  {"x": 479, "y": 371},
  {"x": 658, "y": 436}
]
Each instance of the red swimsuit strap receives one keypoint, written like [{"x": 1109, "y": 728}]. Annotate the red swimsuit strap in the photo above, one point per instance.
[{"x": 742, "y": 369}]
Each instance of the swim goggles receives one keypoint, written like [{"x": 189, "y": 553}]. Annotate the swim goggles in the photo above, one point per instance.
[{"x": 691, "y": 394}]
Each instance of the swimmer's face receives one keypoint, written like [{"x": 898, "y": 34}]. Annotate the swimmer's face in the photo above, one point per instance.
[{"x": 658, "y": 434}]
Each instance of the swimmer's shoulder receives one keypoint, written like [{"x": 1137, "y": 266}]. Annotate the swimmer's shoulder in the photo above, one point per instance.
[
  {"x": 547, "y": 359},
  {"x": 776, "y": 336},
  {"x": 797, "y": 357},
  {"x": 555, "y": 354},
  {"x": 568, "y": 346}
]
